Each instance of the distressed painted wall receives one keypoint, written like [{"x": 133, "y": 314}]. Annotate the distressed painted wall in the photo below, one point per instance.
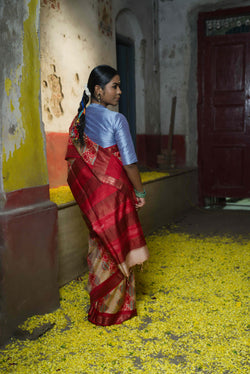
[
  {"x": 22, "y": 137},
  {"x": 178, "y": 64},
  {"x": 74, "y": 39},
  {"x": 71, "y": 45}
]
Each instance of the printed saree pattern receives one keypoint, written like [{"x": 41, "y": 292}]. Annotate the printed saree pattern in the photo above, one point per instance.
[
  {"x": 112, "y": 296},
  {"x": 106, "y": 198}
]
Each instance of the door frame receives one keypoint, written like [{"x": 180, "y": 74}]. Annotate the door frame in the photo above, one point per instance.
[{"x": 202, "y": 17}]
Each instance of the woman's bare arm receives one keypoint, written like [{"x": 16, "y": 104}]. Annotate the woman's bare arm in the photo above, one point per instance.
[{"x": 135, "y": 178}]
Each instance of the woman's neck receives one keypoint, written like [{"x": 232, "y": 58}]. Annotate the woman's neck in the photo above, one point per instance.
[{"x": 93, "y": 101}]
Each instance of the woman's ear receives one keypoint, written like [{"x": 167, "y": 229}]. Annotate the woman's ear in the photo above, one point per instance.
[
  {"x": 98, "y": 93},
  {"x": 98, "y": 90}
]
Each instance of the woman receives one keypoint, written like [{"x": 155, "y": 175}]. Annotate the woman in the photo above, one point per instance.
[{"x": 106, "y": 184}]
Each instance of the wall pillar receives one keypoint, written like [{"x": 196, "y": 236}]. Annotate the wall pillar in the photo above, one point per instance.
[
  {"x": 28, "y": 219},
  {"x": 28, "y": 283}
]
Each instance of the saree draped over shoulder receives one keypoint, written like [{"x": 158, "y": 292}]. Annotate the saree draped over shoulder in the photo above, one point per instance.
[{"x": 106, "y": 198}]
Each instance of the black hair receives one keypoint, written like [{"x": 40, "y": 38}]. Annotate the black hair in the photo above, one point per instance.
[{"x": 100, "y": 75}]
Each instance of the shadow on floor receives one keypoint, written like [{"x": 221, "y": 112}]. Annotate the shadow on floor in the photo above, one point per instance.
[{"x": 200, "y": 221}]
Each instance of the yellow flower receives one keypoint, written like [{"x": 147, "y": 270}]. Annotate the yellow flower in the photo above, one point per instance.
[
  {"x": 192, "y": 317},
  {"x": 61, "y": 195}
]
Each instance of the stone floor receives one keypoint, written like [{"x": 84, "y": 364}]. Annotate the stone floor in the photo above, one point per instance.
[{"x": 215, "y": 221}]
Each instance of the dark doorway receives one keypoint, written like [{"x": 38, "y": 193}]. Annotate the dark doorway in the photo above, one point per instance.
[
  {"x": 126, "y": 68},
  {"x": 224, "y": 104}
]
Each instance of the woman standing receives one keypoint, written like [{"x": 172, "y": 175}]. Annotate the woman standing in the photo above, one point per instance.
[{"x": 106, "y": 184}]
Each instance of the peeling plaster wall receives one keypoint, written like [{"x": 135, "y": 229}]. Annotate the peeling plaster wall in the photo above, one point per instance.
[
  {"x": 178, "y": 64},
  {"x": 73, "y": 42},
  {"x": 71, "y": 46},
  {"x": 21, "y": 138}
]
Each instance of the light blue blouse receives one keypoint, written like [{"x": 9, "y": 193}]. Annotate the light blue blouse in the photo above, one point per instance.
[{"x": 107, "y": 128}]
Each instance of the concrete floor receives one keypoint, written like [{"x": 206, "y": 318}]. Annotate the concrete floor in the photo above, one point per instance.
[{"x": 200, "y": 221}]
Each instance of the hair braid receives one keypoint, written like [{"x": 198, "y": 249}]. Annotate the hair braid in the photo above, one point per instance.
[{"x": 81, "y": 117}]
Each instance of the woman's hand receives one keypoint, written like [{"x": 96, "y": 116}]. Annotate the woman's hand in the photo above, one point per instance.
[
  {"x": 134, "y": 176},
  {"x": 140, "y": 202}
]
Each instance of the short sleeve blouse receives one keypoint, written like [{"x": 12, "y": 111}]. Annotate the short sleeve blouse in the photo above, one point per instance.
[{"x": 107, "y": 128}]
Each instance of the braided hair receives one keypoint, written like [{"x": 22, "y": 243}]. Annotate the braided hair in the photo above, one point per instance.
[
  {"x": 80, "y": 123},
  {"x": 100, "y": 75}
]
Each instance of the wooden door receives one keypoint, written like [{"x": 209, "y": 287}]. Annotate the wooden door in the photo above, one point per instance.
[{"x": 224, "y": 109}]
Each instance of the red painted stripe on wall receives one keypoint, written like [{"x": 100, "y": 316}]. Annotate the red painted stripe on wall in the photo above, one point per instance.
[
  {"x": 56, "y": 145},
  {"x": 148, "y": 147},
  {"x": 179, "y": 145}
]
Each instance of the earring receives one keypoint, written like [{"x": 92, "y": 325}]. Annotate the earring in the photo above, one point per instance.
[{"x": 99, "y": 98}]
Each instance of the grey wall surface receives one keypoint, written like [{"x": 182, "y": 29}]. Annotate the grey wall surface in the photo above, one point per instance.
[{"x": 178, "y": 63}]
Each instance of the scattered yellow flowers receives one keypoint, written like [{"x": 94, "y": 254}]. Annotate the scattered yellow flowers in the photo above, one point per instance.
[
  {"x": 63, "y": 195},
  {"x": 148, "y": 176},
  {"x": 192, "y": 317}
]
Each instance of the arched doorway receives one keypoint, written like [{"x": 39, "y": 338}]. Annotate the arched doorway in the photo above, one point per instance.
[
  {"x": 126, "y": 66},
  {"x": 130, "y": 46}
]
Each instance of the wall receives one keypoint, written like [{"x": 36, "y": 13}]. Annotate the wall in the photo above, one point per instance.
[
  {"x": 73, "y": 41},
  {"x": 165, "y": 37},
  {"x": 178, "y": 64},
  {"x": 71, "y": 45},
  {"x": 20, "y": 99}
]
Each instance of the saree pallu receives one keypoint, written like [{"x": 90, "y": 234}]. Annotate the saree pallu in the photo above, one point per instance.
[
  {"x": 114, "y": 302},
  {"x": 106, "y": 198}
]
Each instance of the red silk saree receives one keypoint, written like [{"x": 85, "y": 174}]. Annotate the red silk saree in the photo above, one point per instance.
[{"x": 106, "y": 198}]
